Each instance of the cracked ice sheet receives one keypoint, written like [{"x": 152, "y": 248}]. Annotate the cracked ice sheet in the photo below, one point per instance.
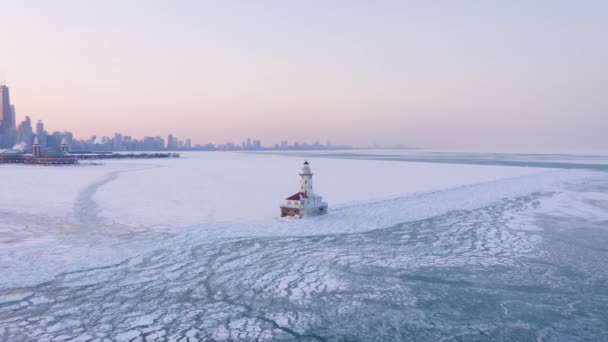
[
  {"x": 333, "y": 285},
  {"x": 465, "y": 273},
  {"x": 570, "y": 203},
  {"x": 220, "y": 195}
]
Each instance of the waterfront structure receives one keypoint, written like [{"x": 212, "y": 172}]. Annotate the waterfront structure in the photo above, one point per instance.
[
  {"x": 39, "y": 156},
  {"x": 36, "y": 148},
  {"x": 305, "y": 202},
  {"x": 63, "y": 147},
  {"x": 61, "y": 157}
]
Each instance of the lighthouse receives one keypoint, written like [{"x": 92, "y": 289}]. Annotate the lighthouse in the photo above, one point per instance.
[
  {"x": 306, "y": 179},
  {"x": 305, "y": 202}
]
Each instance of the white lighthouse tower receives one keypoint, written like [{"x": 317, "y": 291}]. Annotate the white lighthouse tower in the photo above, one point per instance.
[
  {"x": 305, "y": 202},
  {"x": 306, "y": 181}
]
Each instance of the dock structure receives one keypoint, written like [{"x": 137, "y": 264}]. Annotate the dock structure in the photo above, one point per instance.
[
  {"x": 63, "y": 156},
  {"x": 38, "y": 156}
]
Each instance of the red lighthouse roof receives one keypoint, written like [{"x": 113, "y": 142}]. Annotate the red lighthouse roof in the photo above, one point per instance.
[{"x": 297, "y": 197}]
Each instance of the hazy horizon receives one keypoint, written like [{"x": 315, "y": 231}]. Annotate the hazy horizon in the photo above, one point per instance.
[{"x": 466, "y": 75}]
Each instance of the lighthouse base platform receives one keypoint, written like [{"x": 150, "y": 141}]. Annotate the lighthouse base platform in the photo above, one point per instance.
[{"x": 301, "y": 211}]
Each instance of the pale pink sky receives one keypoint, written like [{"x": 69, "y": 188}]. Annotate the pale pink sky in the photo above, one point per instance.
[{"x": 464, "y": 74}]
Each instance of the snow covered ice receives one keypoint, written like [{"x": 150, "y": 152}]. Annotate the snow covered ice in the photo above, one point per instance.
[{"x": 193, "y": 249}]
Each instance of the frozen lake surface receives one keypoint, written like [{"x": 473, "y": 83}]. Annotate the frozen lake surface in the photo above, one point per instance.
[{"x": 192, "y": 249}]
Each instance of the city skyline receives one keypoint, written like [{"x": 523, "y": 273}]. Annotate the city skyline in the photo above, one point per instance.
[
  {"x": 13, "y": 136},
  {"x": 464, "y": 75}
]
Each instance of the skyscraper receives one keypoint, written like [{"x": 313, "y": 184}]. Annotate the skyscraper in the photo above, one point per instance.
[
  {"x": 13, "y": 114},
  {"x": 39, "y": 128},
  {"x": 8, "y": 131},
  {"x": 118, "y": 144},
  {"x": 25, "y": 134},
  {"x": 170, "y": 145},
  {"x": 41, "y": 133},
  {"x": 5, "y": 105}
]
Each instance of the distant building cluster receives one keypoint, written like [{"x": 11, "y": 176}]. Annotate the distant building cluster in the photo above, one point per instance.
[
  {"x": 256, "y": 145},
  {"x": 21, "y": 138},
  {"x": 14, "y": 141}
]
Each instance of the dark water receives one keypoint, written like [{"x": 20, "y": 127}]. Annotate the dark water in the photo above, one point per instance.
[{"x": 499, "y": 273}]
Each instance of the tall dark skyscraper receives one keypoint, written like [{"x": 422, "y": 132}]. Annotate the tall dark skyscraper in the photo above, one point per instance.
[
  {"x": 5, "y": 105},
  {"x": 8, "y": 131}
]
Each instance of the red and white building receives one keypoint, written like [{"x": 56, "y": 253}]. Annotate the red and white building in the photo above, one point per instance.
[{"x": 305, "y": 202}]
